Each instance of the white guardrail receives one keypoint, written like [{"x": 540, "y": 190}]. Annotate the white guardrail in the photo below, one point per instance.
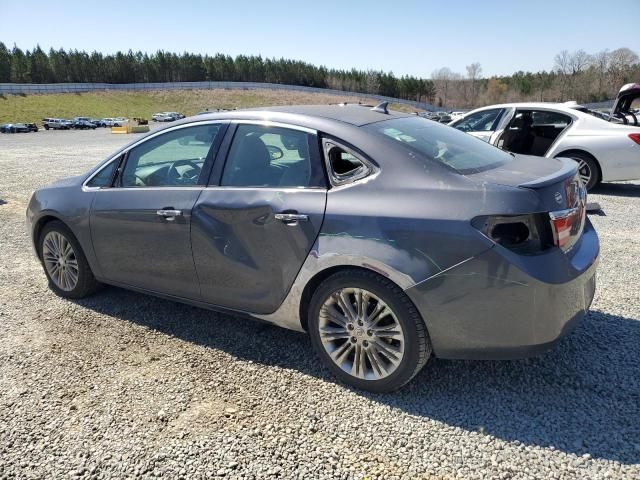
[{"x": 33, "y": 88}]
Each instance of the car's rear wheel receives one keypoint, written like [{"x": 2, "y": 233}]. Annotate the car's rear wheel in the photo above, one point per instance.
[
  {"x": 587, "y": 169},
  {"x": 367, "y": 331},
  {"x": 64, "y": 262}
]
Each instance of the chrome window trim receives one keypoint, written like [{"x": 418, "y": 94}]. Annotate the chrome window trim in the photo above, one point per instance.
[
  {"x": 269, "y": 123},
  {"x": 338, "y": 180},
  {"x": 86, "y": 188}
]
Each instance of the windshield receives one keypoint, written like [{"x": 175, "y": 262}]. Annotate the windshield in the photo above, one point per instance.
[{"x": 457, "y": 150}]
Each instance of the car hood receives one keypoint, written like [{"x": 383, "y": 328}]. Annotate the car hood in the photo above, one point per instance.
[
  {"x": 526, "y": 171},
  {"x": 67, "y": 182}
]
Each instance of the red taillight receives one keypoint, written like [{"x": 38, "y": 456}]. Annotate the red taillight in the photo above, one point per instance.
[
  {"x": 635, "y": 137},
  {"x": 563, "y": 223}
]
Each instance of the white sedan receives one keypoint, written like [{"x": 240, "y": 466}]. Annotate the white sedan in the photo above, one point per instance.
[{"x": 604, "y": 151}]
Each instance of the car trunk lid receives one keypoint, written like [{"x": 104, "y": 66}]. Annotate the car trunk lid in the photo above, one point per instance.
[{"x": 558, "y": 187}]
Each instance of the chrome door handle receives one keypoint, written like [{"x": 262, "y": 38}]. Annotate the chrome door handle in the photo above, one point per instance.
[
  {"x": 169, "y": 214},
  {"x": 292, "y": 217}
]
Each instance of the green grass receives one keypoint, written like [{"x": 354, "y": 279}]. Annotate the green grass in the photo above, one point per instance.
[{"x": 32, "y": 108}]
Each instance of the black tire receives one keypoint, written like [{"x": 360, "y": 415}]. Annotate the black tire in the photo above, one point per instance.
[
  {"x": 417, "y": 345},
  {"x": 590, "y": 166},
  {"x": 86, "y": 283}
]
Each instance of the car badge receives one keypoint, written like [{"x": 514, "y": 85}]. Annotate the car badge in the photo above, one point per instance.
[{"x": 558, "y": 197}]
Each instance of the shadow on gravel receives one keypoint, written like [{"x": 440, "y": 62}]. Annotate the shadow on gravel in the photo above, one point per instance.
[
  {"x": 617, "y": 189},
  {"x": 582, "y": 397},
  {"x": 2, "y": 202}
]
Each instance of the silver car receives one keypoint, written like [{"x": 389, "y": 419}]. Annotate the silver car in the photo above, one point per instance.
[
  {"x": 387, "y": 237},
  {"x": 604, "y": 151}
]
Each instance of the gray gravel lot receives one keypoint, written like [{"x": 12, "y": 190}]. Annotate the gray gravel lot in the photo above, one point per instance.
[{"x": 126, "y": 385}]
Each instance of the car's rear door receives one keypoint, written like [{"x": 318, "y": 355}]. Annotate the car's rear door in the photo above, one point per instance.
[
  {"x": 254, "y": 226},
  {"x": 141, "y": 225}
]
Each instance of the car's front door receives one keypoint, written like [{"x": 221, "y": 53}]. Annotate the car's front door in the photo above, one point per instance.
[
  {"x": 253, "y": 228},
  {"x": 480, "y": 124},
  {"x": 140, "y": 226}
]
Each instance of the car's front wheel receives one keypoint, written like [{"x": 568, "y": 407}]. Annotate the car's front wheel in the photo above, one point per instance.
[
  {"x": 64, "y": 262},
  {"x": 367, "y": 331}
]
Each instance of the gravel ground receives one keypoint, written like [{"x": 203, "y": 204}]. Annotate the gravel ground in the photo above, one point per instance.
[{"x": 126, "y": 385}]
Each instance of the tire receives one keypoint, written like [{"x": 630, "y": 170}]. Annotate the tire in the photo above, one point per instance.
[
  {"x": 587, "y": 167},
  {"x": 410, "y": 347},
  {"x": 85, "y": 283}
]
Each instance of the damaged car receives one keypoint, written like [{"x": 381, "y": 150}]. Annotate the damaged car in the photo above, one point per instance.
[{"x": 388, "y": 238}]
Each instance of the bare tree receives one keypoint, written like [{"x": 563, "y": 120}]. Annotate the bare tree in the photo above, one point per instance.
[
  {"x": 474, "y": 71},
  {"x": 442, "y": 79},
  {"x": 562, "y": 65},
  {"x": 621, "y": 62},
  {"x": 578, "y": 61},
  {"x": 600, "y": 63}
]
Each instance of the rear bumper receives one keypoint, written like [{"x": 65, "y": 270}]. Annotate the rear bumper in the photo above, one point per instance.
[{"x": 500, "y": 305}]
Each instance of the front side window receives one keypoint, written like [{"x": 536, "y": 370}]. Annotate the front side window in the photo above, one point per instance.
[
  {"x": 484, "y": 121},
  {"x": 104, "y": 177},
  {"x": 175, "y": 158},
  {"x": 268, "y": 156},
  {"x": 461, "y": 152}
]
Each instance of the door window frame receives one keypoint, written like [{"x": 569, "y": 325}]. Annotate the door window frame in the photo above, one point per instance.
[
  {"x": 315, "y": 157},
  {"x": 121, "y": 158},
  {"x": 494, "y": 125}
]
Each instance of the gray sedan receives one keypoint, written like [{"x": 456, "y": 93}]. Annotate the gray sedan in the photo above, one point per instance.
[{"x": 387, "y": 237}]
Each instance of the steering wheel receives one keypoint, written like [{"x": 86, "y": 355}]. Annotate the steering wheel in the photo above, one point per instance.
[{"x": 188, "y": 178}]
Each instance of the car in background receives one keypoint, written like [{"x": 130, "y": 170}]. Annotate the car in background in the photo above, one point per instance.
[
  {"x": 114, "y": 122},
  {"x": 390, "y": 256},
  {"x": 456, "y": 115},
  {"x": 82, "y": 123},
  {"x": 167, "y": 116},
  {"x": 162, "y": 117},
  {"x": 98, "y": 122},
  {"x": 18, "y": 128},
  {"x": 626, "y": 106},
  {"x": 56, "y": 124},
  {"x": 604, "y": 151}
]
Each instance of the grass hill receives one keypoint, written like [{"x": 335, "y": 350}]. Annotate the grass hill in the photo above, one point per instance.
[{"x": 32, "y": 108}]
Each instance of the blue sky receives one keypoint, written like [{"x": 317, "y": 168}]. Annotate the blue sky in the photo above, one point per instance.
[{"x": 406, "y": 37}]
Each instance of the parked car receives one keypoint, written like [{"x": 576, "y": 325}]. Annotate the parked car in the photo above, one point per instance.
[
  {"x": 604, "y": 151},
  {"x": 115, "y": 122},
  {"x": 98, "y": 122},
  {"x": 82, "y": 124},
  {"x": 626, "y": 105},
  {"x": 18, "y": 128},
  {"x": 384, "y": 259},
  {"x": 166, "y": 116},
  {"x": 56, "y": 124},
  {"x": 162, "y": 117}
]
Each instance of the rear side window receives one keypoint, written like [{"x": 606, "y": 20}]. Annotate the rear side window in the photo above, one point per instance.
[
  {"x": 463, "y": 153},
  {"x": 344, "y": 164},
  {"x": 270, "y": 156}
]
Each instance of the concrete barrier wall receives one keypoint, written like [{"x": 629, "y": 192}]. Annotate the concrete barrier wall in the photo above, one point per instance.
[{"x": 33, "y": 88}]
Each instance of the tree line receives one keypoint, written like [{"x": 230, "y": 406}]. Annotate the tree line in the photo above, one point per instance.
[
  {"x": 576, "y": 75},
  {"x": 60, "y": 66}
]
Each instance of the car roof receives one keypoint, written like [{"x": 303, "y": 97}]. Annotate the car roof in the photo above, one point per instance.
[{"x": 353, "y": 114}]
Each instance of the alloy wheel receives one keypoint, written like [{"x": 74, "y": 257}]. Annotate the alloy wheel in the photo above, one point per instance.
[
  {"x": 361, "y": 334},
  {"x": 60, "y": 261},
  {"x": 584, "y": 171}
]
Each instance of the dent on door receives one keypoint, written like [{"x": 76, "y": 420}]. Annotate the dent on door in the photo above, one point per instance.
[{"x": 247, "y": 246}]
